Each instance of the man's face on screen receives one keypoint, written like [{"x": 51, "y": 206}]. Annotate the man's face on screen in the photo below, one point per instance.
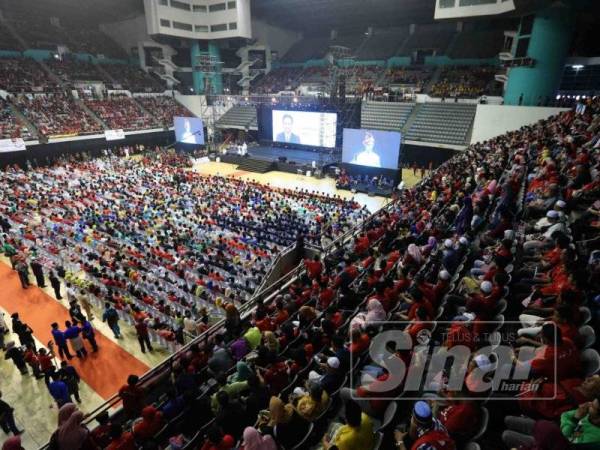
[
  {"x": 188, "y": 126},
  {"x": 369, "y": 142},
  {"x": 287, "y": 125}
]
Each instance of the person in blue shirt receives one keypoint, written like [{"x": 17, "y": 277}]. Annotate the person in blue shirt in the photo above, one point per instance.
[
  {"x": 73, "y": 335},
  {"x": 89, "y": 334},
  {"x": 61, "y": 342},
  {"x": 59, "y": 391}
]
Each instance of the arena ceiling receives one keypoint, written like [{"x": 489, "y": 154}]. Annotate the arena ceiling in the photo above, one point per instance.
[{"x": 322, "y": 15}]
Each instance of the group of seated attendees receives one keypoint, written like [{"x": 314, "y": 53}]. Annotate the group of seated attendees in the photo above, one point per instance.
[
  {"x": 277, "y": 370},
  {"x": 462, "y": 246},
  {"x": 415, "y": 76},
  {"x": 56, "y": 114},
  {"x": 277, "y": 80},
  {"x": 366, "y": 182},
  {"x": 24, "y": 75},
  {"x": 121, "y": 112},
  {"x": 132, "y": 78},
  {"x": 466, "y": 82},
  {"x": 156, "y": 240},
  {"x": 10, "y": 126},
  {"x": 163, "y": 108},
  {"x": 70, "y": 69}
]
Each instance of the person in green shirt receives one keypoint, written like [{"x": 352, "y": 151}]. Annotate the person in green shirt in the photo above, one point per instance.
[
  {"x": 582, "y": 425},
  {"x": 9, "y": 251}
]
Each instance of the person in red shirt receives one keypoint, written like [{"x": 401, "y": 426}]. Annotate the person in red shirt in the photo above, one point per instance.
[
  {"x": 558, "y": 356},
  {"x": 359, "y": 342},
  {"x": 216, "y": 440},
  {"x": 361, "y": 246},
  {"x": 461, "y": 418},
  {"x": 314, "y": 267},
  {"x": 120, "y": 440},
  {"x": 151, "y": 423},
  {"x": 133, "y": 397}
]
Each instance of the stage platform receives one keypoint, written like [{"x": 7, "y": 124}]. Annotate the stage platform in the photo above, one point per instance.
[{"x": 300, "y": 157}]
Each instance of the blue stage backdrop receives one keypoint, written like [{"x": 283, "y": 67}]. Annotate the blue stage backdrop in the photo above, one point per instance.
[{"x": 371, "y": 148}]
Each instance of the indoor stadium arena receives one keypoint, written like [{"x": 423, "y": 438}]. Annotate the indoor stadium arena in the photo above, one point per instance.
[{"x": 299, "y": 224}]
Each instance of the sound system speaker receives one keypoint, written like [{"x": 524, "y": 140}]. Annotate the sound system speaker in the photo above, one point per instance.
[{"x": 282, "y": 159}]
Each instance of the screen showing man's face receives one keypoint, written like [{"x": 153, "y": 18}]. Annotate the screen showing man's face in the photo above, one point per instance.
[
  {"x": 188, "y": 126},
  {"x": 287, "y": 125},
  {"x": 369, "y": 142}
]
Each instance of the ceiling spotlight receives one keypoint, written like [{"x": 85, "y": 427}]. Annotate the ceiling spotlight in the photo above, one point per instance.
[
  {"x": 273, "y": 100},
  {"x": 246, "y": 98},
  {"x": 577, "y": 66},
  {"x": 558, "y": 97},
  {"x": 295, "y": 99}
]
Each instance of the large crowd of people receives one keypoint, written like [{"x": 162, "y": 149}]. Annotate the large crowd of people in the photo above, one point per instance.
[
  {"x": 467, "y": 82},
  {"x": 488, "y": 234},
  {"x": 163, "y": 108},
  {"x": 56, "y": 114},
  {"x": 121, "y": 112},
  {"x": 199, "y": 242}
]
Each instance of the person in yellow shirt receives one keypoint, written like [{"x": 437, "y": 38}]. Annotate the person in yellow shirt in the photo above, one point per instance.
[
  {"x": 313, "y": 403},
  {"x": 356, "y": 434}
]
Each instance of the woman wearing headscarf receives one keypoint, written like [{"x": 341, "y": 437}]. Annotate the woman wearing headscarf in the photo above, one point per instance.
[
  {"x": 463, "y": 220},
  {"x": 242, "y": 373},
  {"x": 413, "y": 256},
  {"x": 253, "y": 440},
  {"x": 71, "y": 434},
  {"x": 233, "y": 322},
  {"x": 151, "y": 423},
  {"x": 271, "y": 341},
  {"x": 375, "y": 313},
  {"x": 288, "y": 427}
]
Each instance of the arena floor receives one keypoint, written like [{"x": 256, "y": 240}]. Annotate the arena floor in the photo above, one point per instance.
[{"x": 104, "y": 372}]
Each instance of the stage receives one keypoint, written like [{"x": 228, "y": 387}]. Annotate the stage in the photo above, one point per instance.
[{"x": 300, "y": 157}]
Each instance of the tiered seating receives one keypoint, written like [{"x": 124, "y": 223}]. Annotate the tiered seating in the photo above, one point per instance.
[
  {"x": 163, "y": 108},
  {"x": 477, "y": 44},
  {"x": 417, "y": 76},
  {"x": 74, "y": 70},
  {"x": 428, "y": 37},
  {"x": 24, "y": 75},
  {"x": 385, "y": 116},
  {"x": 132, "y": 78},
  {"x": 57, "y": 114},
  {"x": 238, "y": 116},
  {"x": 467, "y": 82},
  {"x": 305, "y": 49},
  {"x": 382, "y": 44},
  {"x": 9, "y": 124},
  {"x": 447, "y": 123},
  {"x": 121, "y": 113}
]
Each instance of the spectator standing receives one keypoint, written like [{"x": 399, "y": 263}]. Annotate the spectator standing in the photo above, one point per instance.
[
  {"x": 55, "y": 283},
  {"x": 143, "y": 336},
  {"x": 38, "y": 272},
  {"x": 70, "y": 376},
  {"x": 61, "y": 342},
  {"x": 111, "y": 317},
  {"x": 7, "y": 418},
  {"x": 133, "y": 397},
  {"x": 89, "y": 334},
  {"x": 73, "y": 335}
]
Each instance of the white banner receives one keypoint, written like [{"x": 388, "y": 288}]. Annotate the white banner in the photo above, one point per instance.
[
  {"x": 12, "y": 145},
  {"x": 114, "y": 135}
]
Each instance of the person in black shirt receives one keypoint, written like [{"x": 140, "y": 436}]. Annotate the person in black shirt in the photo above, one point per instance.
[{"x": 7, "y": 419}]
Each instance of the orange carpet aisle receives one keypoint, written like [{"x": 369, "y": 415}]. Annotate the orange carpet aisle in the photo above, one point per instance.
[{"x": 104, "y": 371}]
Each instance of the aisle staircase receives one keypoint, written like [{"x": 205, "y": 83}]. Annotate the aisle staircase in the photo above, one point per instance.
[{"x": 256, "y": 165}]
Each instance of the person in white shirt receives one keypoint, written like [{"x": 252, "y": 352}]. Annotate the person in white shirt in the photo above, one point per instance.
[{"x": 368, "y": 156}]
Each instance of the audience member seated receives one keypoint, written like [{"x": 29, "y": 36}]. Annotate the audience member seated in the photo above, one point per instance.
[{"x": 121, "y": 113}]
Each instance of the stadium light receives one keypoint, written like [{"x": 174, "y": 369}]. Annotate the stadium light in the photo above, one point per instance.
[
  {"x": 558, "y": 97},
  {"x": 578, "y": 97},
  {"x": 295, "y": 99},
  {"x": 246, "y": 98},
  {"x": 273, "y": 100},
  {"x": 577, "y": 67}
]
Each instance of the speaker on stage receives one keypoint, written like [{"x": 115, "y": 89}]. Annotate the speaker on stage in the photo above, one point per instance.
[{"x": 282, "y": 159}]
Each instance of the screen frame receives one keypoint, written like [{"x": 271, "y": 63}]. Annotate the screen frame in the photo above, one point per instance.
[{"x": 384, "y": 168}]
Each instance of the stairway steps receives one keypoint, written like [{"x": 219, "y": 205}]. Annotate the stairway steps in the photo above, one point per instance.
[{"x": 256, "y": 165}]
